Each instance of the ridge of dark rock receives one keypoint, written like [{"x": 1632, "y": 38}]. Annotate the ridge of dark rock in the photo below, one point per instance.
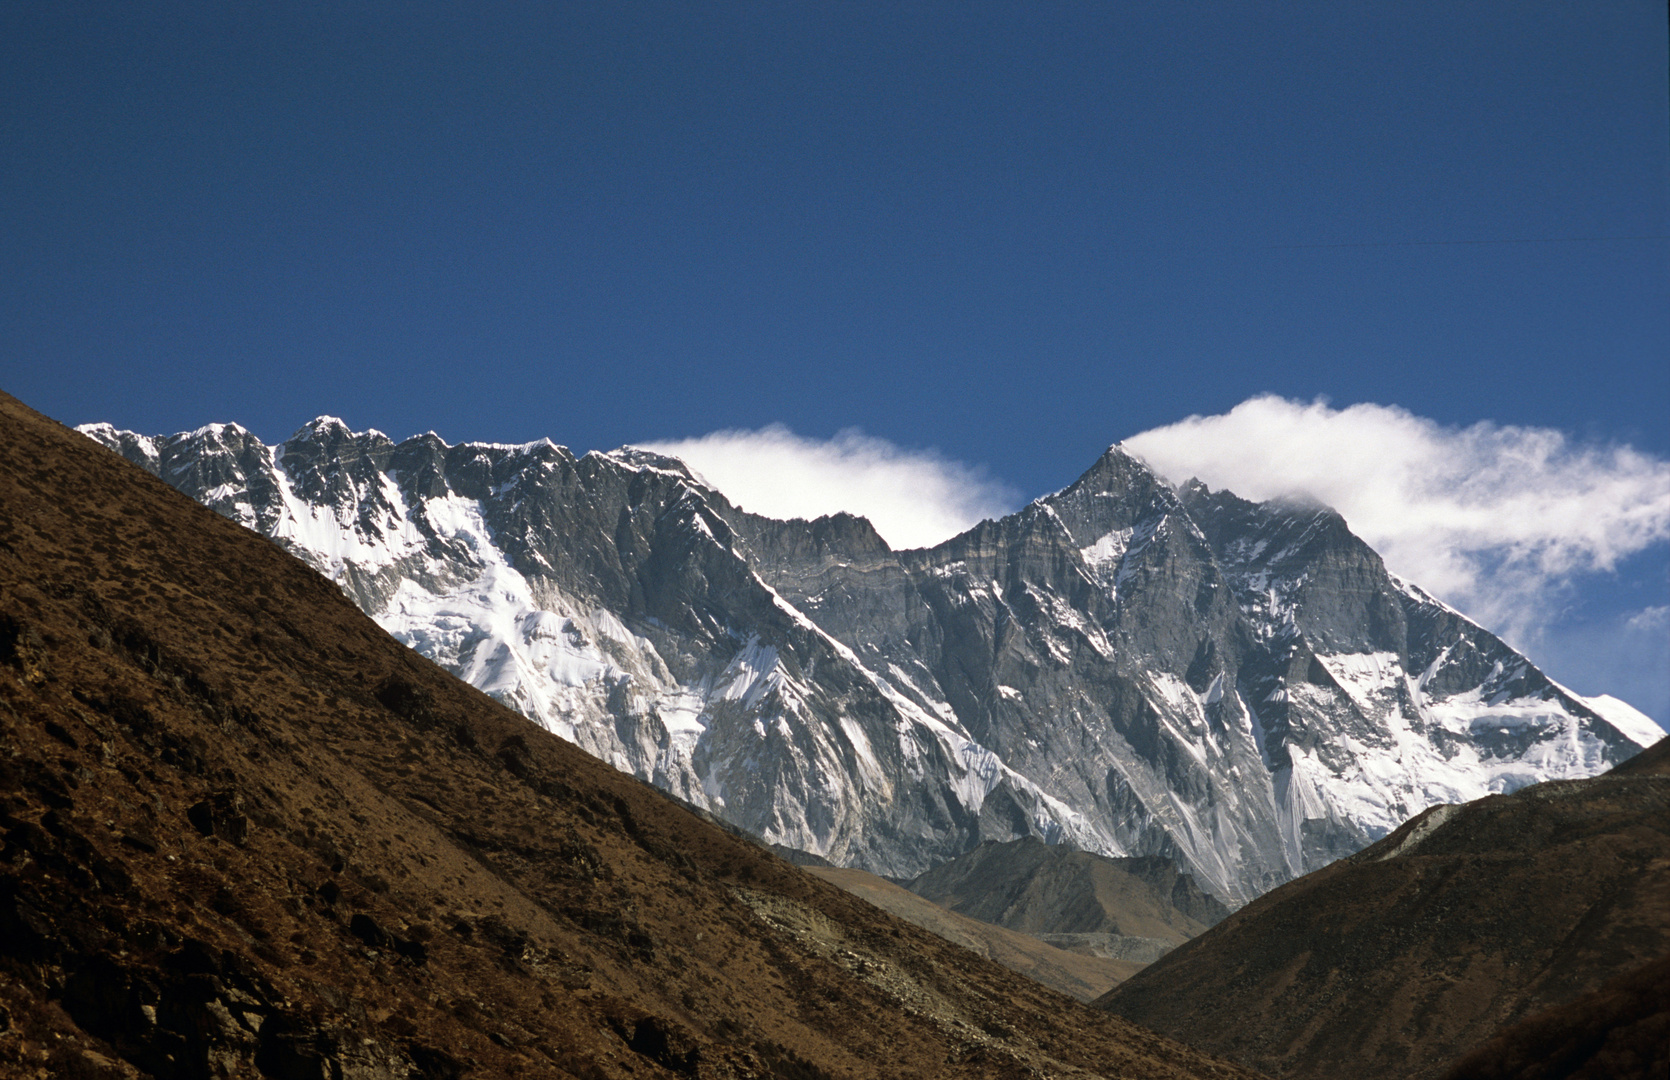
[{"x": 1620, "y": 1031}]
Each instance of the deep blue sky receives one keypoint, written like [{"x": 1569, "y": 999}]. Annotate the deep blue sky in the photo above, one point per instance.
[{"x": 1016, "y": 232}]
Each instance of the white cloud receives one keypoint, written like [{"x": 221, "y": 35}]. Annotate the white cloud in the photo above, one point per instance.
[
  {"x": 914, "y": 498},
  {"x": 1648, "y": 620},
  {"x": 1502, "y": 522},
  {"x": 1498, "y": 520}
]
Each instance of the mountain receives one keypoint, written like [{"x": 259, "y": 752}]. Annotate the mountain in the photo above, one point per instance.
[
  {"x": 1469, "y": 918},
  {"x": 1127, "y": 909},
  {"x": 1076, "y": 974},
  {"x": 1122, "y": 667},
  {"x": 248, "y": 833}
]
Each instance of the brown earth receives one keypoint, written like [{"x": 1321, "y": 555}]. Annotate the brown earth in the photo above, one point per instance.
[
  {"x": 1397, "y": 960},
  {"x": 246, "y": 833},
  {"x": 1619, "y": 1032},
  {"x": 1074, "y": 974}
]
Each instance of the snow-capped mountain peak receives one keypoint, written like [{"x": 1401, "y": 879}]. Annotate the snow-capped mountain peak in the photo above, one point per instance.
[{"x": 1123, "y": 666}]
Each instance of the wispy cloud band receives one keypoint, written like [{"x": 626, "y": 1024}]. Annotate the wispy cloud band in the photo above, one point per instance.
[
  {"x": 1501, "y": 521},
  {"x": 914, "y": 498},
  {"x": 1496, "y": 519}
]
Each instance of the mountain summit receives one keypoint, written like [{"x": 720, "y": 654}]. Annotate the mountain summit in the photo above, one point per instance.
[{"x": 1122, "y": 666}]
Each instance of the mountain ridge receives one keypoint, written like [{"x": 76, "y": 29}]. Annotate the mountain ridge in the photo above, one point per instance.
[{"x": 1093, "y": 669}]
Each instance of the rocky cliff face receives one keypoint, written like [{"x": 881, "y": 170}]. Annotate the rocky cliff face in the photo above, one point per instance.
[{"x": 1121, "y": 666}]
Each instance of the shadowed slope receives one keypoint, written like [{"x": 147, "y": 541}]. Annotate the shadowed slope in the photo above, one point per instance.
[
  {"x": 1135, "y": 909},
  {"x": 1619, "y": 1032},
  {"x": 1080, "y": 976},
  {"x": 247, "y": 833},
  {"x": 1394, "y": 961}
]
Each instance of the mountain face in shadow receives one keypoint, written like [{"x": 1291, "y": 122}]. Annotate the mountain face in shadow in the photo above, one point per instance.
[
  {"x": 1123, "y": 666},
  {"x": 1125, "y": 909},
  {"x": 1078, "y": 974},
  {"x": 247, "y": 833},
  {"x": 1395, "y": 961}
]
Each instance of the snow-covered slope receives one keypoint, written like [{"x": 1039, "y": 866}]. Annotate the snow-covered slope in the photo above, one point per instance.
[{"x": 1120, "y": 666}]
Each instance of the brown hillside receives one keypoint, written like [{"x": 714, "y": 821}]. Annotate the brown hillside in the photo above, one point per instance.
[
  {"x": 1619, "y": 1032},
  {"x": 1393, "y": 962},
  {"x": 247, "y": 833},
  {"x": 1075, "y": 974}
]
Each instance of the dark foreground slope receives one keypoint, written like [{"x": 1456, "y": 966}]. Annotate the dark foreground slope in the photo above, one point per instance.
[
  {"x": 246, "y": 833},
  {"x": 1395, "y": 961},
  {"x": 1621, "y": 1030}
]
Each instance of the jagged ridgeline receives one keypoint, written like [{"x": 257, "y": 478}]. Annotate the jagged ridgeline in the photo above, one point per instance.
[{"x": 1123, "y": 666}]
